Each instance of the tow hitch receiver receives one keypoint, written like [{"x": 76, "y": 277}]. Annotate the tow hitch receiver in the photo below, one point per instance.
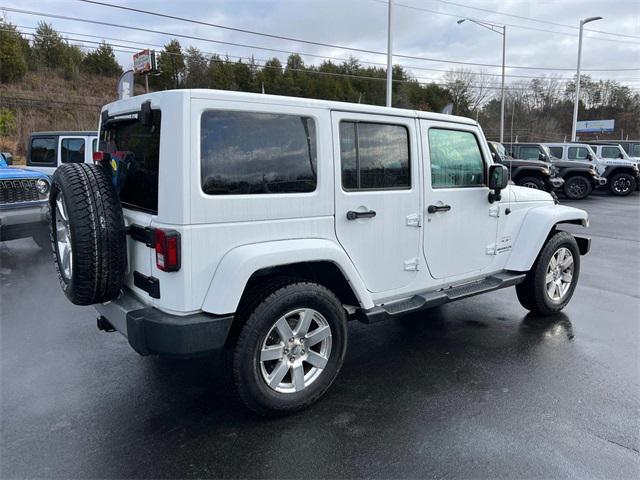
[{"x": 104, "y": 325}]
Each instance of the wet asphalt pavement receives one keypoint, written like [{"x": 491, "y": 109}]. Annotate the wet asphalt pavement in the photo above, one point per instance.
[{"x": 475, "y": 389}]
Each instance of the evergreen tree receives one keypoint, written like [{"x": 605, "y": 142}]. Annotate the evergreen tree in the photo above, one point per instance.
[
  {"x": 196, "y": 69},
  {"x": 102, "y": 61},
  {"x": 49, "y": 48},
  {"x": 13, "y": 61},
  {"x": 171, "y": 66}
]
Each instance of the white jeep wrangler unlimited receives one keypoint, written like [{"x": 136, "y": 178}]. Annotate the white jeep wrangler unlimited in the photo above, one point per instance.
[{"x": 262, "y": 224}]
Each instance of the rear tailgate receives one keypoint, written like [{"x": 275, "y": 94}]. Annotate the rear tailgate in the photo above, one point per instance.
[{"x": 139, "y": 255}]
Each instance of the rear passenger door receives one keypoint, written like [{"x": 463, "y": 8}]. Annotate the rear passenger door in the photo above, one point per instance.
[{"x": 377, "y": 211}]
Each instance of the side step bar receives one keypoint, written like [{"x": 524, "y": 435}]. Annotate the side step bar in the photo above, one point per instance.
[{"x": 440, "y": 297}]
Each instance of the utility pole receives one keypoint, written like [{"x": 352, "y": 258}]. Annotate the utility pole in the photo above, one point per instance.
[
  {"x": 389, "y": 55},
  {"x": 504, "y": 52},
  {"x": 574, "y": 124}
]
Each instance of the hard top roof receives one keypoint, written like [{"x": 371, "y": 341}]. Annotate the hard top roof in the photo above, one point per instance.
[{"x": 210, "y": 94}]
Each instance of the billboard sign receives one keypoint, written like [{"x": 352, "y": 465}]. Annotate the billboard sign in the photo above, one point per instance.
[
  {"x": 595, "y": 126},
  {"x": 144, "y": 61}
]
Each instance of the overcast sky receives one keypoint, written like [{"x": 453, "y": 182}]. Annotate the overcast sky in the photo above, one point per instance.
[{"x": 363, "y": 24}]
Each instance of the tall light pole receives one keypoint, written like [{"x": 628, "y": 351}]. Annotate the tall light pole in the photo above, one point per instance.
[
  {"x": 574, "y": 124},
  {"x": 389, "y": 55},
  {"x": 500, "y": 30}
]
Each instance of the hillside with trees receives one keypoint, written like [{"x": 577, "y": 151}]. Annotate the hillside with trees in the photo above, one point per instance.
[{"x": 48, "y": 83}]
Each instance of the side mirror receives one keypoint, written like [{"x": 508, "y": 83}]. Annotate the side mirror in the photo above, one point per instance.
[
  {"x": 621, "y": 156},
  {"x": 589, "y": 156},
  {"x": 498, "y": 179}
]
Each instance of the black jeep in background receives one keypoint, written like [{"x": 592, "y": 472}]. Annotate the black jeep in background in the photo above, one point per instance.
[
  {"x": 580, "y": 178},
  {"x": 527, "y": 173}
]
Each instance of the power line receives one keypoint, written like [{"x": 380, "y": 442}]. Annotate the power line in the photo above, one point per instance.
[
  {"x": 532, "y": 19},
  {"x": 425, "y": 81},
  {"x": 512, "y": 25},
  {"x": 192, "y": 37},
  {"x": 147, "y": 44}
]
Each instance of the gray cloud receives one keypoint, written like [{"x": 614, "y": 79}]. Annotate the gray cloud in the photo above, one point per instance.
[{"x": 362, "y": 24}]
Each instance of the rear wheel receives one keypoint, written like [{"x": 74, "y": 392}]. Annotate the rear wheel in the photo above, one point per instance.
[
  {"x": 622, "y": 184},
  {"x": 550, "y": 283},
  {"x": 577, "y": 187},
  {"x": 290, "y": 348},
  {"x": 531, "y": 182},
  {"x": 87, "y": 229}
]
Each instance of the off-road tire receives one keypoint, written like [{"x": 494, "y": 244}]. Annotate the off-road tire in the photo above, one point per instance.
[
  {"x": 570, "y": 187},
  {"x": 532, "y": 293},
  {"x": 529, "y": 181},
  {"x": 256, "y": 319},
  {"x": 98, "y": 239},
  {"x": 626, "y": 179}
]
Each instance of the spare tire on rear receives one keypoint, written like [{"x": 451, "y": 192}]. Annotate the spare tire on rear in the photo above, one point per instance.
[{"x": 88, "y": 233}]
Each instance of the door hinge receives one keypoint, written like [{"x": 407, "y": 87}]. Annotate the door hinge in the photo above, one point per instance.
[
  {"x": 414, "y": 220},
  {"x": 412, "y": 264},
  {"x": 494, "y": 211}
]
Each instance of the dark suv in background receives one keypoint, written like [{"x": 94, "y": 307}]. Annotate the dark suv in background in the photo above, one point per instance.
[
  {"x": 527, "y": 173},
  {"x": 580, "y": 178}
]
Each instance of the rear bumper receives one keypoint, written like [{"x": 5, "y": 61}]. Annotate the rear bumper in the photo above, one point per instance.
[{"x": 153, "y": 332}]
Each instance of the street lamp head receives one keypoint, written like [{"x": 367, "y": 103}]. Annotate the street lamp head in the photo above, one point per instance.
[
  {"x": 461, "y": 21},
  {"x": 590, "y": 19}
]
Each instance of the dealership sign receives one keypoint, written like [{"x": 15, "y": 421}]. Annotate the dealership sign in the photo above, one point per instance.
[
  {"x": 595, "y": 126},
  {"x": 144, "y": 61}
]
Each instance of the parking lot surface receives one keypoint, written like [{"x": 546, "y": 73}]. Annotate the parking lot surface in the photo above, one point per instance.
[{"x": 475, "y": 389}]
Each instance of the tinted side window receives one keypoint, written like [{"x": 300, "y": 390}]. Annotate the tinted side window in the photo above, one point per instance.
[
  {"x": 94, "y": 145},
  {"x": 556, "y": 151},
  {"x": 610, "y": 152},
  {"x": 374, "y": 156},
  {"x": 256, "y": 153},
  {"x": 634, "y": 150},
  {"x": 43, "y": 151},
  {"x": 456, "y": 159},
  {"x": 529, "y": 153},
  {"x": 578, "y": 153},
  {"x": 72, "y": 150}
]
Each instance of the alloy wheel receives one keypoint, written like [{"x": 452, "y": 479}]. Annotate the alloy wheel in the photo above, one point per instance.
[
  {"x": 295, "y": 351},
  {"x": 559, "y": 274},
  {"x": 63, "y": 239}
]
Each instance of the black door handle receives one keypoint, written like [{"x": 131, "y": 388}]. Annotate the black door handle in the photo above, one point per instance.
[
  {"x": 351, "y": 215},
  {"x": 438, "y": 208}
]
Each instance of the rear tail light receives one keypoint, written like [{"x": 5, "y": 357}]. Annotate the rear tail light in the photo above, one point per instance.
[
  {"x": 101, "y": 157},
  {"x": 167, "y": 245}
]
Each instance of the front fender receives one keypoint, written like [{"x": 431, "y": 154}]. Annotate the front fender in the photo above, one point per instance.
[
  {"x": 535, "y": 229},
  {"x": 237, "y": 266}
]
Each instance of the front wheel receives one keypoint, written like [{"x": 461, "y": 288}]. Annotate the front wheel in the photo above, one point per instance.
[
  {"x": 577, "y": 187},
  {"x": 622, "y": 184},
  {"x": 290, "y": 348},
  {"x": 550, "y": 283}
]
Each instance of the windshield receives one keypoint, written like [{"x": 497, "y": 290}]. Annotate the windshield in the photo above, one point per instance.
[{"x": 135, "y": 153}]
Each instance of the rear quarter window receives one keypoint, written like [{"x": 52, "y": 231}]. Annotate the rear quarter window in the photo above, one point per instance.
[{"x": 257, "y": 153}]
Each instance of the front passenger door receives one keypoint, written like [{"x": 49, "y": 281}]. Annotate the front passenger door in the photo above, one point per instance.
[{"x": 461, "y": 225}]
